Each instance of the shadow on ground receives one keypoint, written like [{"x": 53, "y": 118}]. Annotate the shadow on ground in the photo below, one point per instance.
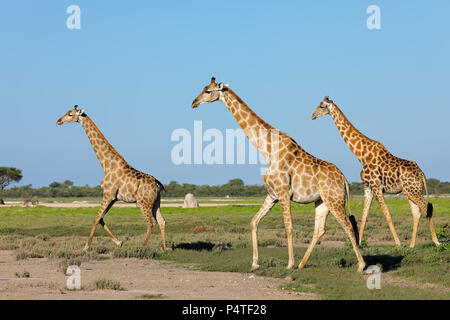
[
  {"x": 388, "y": 263},
  {"x": 197, "y": 246},
  {"x": 201, "y": 246}
]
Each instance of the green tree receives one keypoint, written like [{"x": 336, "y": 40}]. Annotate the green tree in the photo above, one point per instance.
[
  {"x": 236, "y": 182},
  {"x": 8, "y": 175},
  {"x": 68, "y": 183},
  {"x": 54, "y": 184}
]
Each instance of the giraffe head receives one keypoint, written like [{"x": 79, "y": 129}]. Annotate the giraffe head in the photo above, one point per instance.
[
  {"x": 212, "y": 92},
  {"x": 323, "y": 108},
  {"x": 73, "y": 115}
]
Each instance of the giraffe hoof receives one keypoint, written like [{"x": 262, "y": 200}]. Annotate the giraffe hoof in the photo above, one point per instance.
[
  {"x": 301, "y": 266},
  {"x": 119, "y": 244},
  {"x": 361, "y": 268},
  {"x": 255, "y": 266},
  {"x": 86, "y": 248}
]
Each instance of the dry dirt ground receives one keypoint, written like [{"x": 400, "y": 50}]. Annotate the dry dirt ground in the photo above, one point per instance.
[{"x": 159, "y": 279}]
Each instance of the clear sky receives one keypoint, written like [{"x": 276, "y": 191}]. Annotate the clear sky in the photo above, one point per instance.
[{"x": 136, "y": 66}]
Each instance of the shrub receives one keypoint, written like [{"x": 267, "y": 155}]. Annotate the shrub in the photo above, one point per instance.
[
  {"x": 107, "y": 284},
  {"x": 136, "y": 252},
  {"x": 64, "y": 264},
  {"x": 24, "y": 274},
  {"x": 150, "y": 296}
]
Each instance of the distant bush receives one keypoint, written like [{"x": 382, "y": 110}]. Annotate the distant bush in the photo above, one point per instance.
[{"x": 233, "y": 188}]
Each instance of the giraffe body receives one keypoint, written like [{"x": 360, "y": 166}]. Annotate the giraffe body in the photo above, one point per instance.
[
  {"x": 121, "y": 181},
  {"x": 292, "y": 175},
  {"x": 382, "y": 172}
]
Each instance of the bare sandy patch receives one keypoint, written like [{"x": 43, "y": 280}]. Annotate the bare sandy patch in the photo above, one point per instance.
[{"x": 164, "y": 280}]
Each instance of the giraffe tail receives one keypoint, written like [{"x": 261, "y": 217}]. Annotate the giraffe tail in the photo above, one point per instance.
[
  {"x": 351, "y": 217},
  {"x": 429, "y": 205},
  {"x": 160, "y": 185}
]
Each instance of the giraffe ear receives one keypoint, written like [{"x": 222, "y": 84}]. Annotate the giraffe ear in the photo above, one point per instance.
[{"x": 82, "y": 111}]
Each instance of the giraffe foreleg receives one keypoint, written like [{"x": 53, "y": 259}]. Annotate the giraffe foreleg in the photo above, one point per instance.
[
  {"x": 105, "y": 227},
  {"x": 285, "y": 203},
  {"x": 387, "y": 215},
  {"x": 106, "y": 204},
  {"x": 268, "y": 204}
]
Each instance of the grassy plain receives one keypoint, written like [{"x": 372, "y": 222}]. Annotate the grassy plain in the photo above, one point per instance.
[{"x": 218, "y": 239}]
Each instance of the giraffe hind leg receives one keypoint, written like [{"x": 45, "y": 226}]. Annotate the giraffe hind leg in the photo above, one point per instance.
[
  {"x": 146, "y": 207},
  {"x": 368, "y": 197},
  {"x": 161, "y": 222},
  {"x": 319, "y": 230},
  {"x": 415, "y": 210},
  {"x": 417, "y": 203},
  {"x": 344, "y": 221}
]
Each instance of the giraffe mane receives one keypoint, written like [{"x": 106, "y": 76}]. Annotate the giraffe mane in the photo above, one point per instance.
[
  {"x": 251, "y": 111},
  {"x": 103, "y": 137}
]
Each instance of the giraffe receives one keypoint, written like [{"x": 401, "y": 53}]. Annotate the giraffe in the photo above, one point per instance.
[
  {"x": 121, "y": 181},
  {"x": 292, "y": 174},
  {"x": 382, "y": 173}
]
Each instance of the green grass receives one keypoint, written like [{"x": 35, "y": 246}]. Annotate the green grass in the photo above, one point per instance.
[{"x": 218, "y": 239}]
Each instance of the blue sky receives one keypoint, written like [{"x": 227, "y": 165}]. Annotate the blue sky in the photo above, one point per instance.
[{"x": 136, "y": 67}]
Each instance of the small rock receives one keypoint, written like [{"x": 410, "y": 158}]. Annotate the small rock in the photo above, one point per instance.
[{"x": 288, "y": 279}]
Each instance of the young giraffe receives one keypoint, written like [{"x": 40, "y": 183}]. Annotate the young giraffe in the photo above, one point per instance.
[
  {"x": 121, "y": 181},
  {"x": 382, "y": 173},
  {"x": 292, "y": 174}
]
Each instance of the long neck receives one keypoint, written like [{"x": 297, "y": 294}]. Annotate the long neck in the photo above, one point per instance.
[
  {"x": 262, "y": 135},
  {"x": 105, "y": 152},
  {"x": 356, "y": 141}
]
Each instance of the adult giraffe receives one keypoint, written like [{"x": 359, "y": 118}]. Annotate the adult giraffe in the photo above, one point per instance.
[
  {"x": 292, "y": 174},
  {"x": 121, "y": 181},
  {"x": 382, "y": 173}
]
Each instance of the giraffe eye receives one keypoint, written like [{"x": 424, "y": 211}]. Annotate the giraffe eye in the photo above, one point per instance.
[{"x": 208, "y": 92}]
